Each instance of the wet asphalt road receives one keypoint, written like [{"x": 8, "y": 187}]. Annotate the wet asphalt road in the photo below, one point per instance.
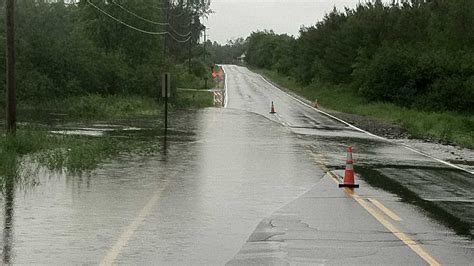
[
  {"x": 445, "y": 192},
  {"x": 448, "y": 188},
  {"x": 240, "y": 186}
]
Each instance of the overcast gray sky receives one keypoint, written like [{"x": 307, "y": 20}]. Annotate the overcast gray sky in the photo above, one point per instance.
[{"x": 238, "y": 18}]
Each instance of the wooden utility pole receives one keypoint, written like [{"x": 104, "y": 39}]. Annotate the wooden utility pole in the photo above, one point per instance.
[
  {"x": 166, "y": 11},
  {"x": 189, "y": 53},
  {"x": 191, "y": 25},
  {"x": 205, "y": 41},
  {"x": 10, "y": 67},
  {"x": 205, "y": 54}
]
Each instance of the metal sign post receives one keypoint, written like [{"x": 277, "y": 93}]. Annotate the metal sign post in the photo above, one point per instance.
[{"x": 165, "y": 93}]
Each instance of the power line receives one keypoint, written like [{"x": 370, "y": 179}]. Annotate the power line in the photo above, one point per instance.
[
  {"x": 180, "y": 41},
  {"x": 140, "y": 30},
  {"x": 177, "y": 33},
  {"x": 152, "y": 22},
  {"x": 125, "y": 24}
]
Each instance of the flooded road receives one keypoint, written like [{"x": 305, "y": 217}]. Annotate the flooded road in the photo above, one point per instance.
[
  {"x": 214, "y": 185},
  {"x": 239, "y": 185}
]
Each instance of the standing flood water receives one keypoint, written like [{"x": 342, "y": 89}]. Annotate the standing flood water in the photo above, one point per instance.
[{"x": 220, "y": 173}]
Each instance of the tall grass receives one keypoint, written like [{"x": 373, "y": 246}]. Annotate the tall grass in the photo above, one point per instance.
[
  {"x": 95, "y": 106},
  {"x": 445, "y": 126},
  {"x": 192, "y": 99},
  {"x": 12, "y": 148}
]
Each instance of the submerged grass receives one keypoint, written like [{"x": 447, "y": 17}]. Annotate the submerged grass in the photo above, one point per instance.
[
  {"x": 444, "y": 126},
  {"x": 75, "y": 153},
  {"x": 68, "y": 153},
  {"x": 78, "y": 153},
  {"x": 12, "y": 148},
  {"x": 55, "y": 151}
]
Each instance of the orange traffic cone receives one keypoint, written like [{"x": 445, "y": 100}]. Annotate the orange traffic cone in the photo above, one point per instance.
[
  {"x": 272, "y": 111},
  {"x": 349, "y": 175}
]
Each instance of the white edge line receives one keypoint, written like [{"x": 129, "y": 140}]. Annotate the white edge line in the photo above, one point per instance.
[
  {"x": 366, "y": 132},
  {"x": 226, "y": 100}
]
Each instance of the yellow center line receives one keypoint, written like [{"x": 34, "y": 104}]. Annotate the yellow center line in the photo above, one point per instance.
[
  {"x": 334, "y": 177},
  {"x": 392, "y": 228},
  {"x": 130, "y": 229},
  {"x": 385, "y": 210}
]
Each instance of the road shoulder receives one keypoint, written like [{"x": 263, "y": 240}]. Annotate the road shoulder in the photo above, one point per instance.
[
  {"x": 443, "y": 150},
  {"x": 327, "y": 226}
]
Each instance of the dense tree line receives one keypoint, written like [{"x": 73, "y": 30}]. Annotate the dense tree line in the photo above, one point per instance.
[
  {"x": 417, "y": 53},
  {"x": 228, "y": 53},
  {"x": 67, "y": 48}
]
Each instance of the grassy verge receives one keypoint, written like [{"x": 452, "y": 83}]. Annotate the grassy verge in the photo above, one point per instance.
[
  {"x": 96, "y": 106},
  {"x": 194, "y": 99},
  {"x": 445, "y": 126},
  {"x": 112, "y": 106}
]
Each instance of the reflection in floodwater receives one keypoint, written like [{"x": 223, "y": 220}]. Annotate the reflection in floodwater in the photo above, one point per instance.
[
  {"x": 12, "y": 176},
  {"x": 9, "y": 196},
  {"x": 165, "y": 145}
]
